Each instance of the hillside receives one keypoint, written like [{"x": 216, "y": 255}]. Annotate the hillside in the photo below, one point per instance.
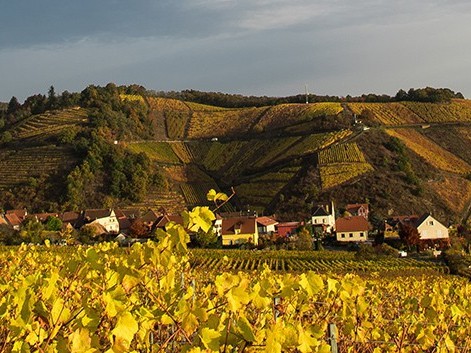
[{"x": 122, "y": 146}]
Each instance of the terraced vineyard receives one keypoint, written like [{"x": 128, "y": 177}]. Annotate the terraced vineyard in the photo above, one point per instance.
[
  {"x": 321, "y": 262},
  {"x": 388, "y": 113},
  {"x": 133, "y": 98},
  {"x": 430, "y": 151},
  {"x": 341, "y": 163},
  {"x": 50, "y": 123},
  {"x": 283, "y": 115},
  {"x": 343, "y": 153},
  {"x": 457, "y": 110},
  {"x": 170, "y": 200},
  {"x": 398, "y": 113},
  {"x": 17, "y": 166},
  {"x": 176, "y": 114},
  {"x": 157, "y": 151},
  {"x": 211, "y": 123},
  {"x": 454, "y": 191},
  {"x": 339, "y": 173},
  {"x": 182, "y": 151}
]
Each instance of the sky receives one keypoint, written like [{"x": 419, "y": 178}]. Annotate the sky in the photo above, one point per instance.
[{"x": 249, "y": 47}]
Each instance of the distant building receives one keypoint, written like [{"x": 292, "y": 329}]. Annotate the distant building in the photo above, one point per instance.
[
  {"x": 352, "y": 229},
  {"x": 358, "y": 209},
  {"x": 287, "y": 229},
  {"x": 324, "y": 216},
  {"x": 239, "y": 230},
  {"x": 104, "y": 217},
  {"x": 266, "y": 225}
]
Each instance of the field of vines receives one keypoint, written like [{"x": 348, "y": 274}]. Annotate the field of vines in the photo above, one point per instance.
[
  {"x": 211, "y": 123},
  {"x": 176, "y": 114},
  {"x": 455, "y": 192},
  {"x": 18, "y": 166},
  {"x": 183, "y": 152},
  {"x": 156, "y": 151},
  {"x": 259, "y": 193},
  {"x": 283, "y": 115},
  {"x": 50, "y": 123},
  {"x": 300, "y": 261},
  {"x": 441, "y": 112},
  {"x": 148, "y": 298},
  {"x": 133, "y": 98},
  {"x": 195, "y": 192},
  {"x": 342, "y": 153},
  {"x": 430, "y": 151},
  {"x": 338, "y": 173},
  {"x": 388, "y": 113}
]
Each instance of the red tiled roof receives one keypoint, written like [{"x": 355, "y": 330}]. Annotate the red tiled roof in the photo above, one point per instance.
[
  {"x": 150, "y": 217},
  {"x": 13, "y": 219},
  {"x": 70, "y": 217},
  {"x": 351, "y": 224},
  {"x": 289, "y": 224},
  {"x": 41, "y": 217},
  {"x": 247, "y": 225},
  {"x": 163, "y": 220},
  {"x": 93, "y": 214},
  {"x": 21, "y": 214},
  {"x": 266, "y": 221},
  {"x": 356, "y": 206}
]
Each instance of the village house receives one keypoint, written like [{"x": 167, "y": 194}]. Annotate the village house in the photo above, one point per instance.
[
  {"x": 358, "y": 209},
  {"x": 352, "y": 229},
  {"x": 324, "y": 217},
  {"x": 287, "y": 229},
  {"x": 13, "y": 220},
  {"x": 217, "y": 225},
  {"x": 162, "y": 221},
  {"x": 70, "y": 217},
  {"x": 430, "y": 229},
  {"x": 104, "y": 217},
  {"x": 239, "y": 230},
  {"x": 266, "y": 225}
]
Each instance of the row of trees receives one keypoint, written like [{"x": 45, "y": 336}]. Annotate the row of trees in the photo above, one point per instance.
[{"x": 428, "y": 94}]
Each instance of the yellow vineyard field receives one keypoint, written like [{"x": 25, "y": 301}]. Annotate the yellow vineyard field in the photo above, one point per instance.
[
  {"x": 339, "y": 173},
  {"x": 431, "y": 152}
]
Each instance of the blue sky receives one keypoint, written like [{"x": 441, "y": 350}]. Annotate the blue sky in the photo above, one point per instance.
[{"x": 251, "y": 47}]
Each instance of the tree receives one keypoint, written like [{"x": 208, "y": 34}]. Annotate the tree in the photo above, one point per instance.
[
  {"x": 52, "y": 100},
  {"x": 409, "y": 235},
  {"x": 53, "y": 223},
  {"x": 138, "y": 229},
  {"x": 304, "y": 241},
  {"x": 13, "y": 105}
]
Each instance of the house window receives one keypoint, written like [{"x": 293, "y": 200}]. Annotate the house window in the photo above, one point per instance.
[
  {"x": 324, "y": 220},
  {"x": 361, "y": 235},
  {"x": 351, "y": 235},
  {"x": 343, "y": 235},
  {"x": 430, "y": 223}
]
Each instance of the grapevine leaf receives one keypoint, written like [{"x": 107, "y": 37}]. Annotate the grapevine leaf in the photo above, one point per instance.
[
  {"x": 210, "y": 339},
  {"x": 80, "y": 341},
  {"x": 246, "y": 329},
  {"x": 124, "y": 331},
  {"x": 211, "y": 195}
]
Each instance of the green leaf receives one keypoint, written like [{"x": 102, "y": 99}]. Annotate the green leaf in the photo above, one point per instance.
[{"x": 245, "y": 329}]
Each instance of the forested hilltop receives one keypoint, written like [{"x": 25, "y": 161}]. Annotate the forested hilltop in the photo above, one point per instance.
[{"x": 130, "y": 147}]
